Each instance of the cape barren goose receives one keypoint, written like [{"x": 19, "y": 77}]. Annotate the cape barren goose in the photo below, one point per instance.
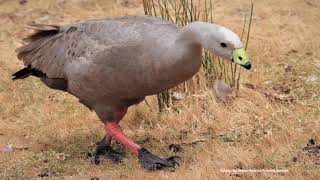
[{"x": 112, "y": 64}]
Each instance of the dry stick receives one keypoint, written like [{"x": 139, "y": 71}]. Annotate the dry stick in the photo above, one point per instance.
[
  {"x": 183, "y": 22},
  {"x": 224, "y": 71},
  {"x": 198, "y": 18},
  {"x": 144, "y": 2},
  {"x": 205, "y": 16},
  {"x": 164, "y": 10},
  {"x": 250, "y": 21},
  {"x": 144, "y": 7},
  {"x": 211, "y": 12},
  {"x": 194, "y": 11},
  {"x": 145, "y": 100},
  {"x": 236, "y": 76},
  {"x": 206, "y": 60},
  {"x": 168, "y": 93},
  {"x": 191, "y": 11},
  {"x": 247, "y": 41},
  {"x": 220, "y": 65},
  {"x": 185, "y": 11},
  {"x": 233, "y": 76},
  {"x": 244, "y": 27},
  {"x": 167, "y": 10},
  {"x": 174, "y": 6},
  {"x": 182, "y": 13},
  {"x": 154, "y": 9},
  {"x": 199, "y": 11},
  {"x": 210, "y": 15},
  {"x": 178, "y": 13},
  {"x": 160, "y": 9},
  {"x": 148, "y": 7}
]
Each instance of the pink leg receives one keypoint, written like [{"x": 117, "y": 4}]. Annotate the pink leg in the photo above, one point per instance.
[
  {"x": 117, "y": 116},
  {"x": 115, "y": 131}
]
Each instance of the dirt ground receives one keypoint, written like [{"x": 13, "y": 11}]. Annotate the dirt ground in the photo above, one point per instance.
[{"x": 272, "y": 124}]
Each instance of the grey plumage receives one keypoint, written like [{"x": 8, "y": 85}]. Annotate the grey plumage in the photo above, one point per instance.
[{"x": 111, "y": 63}]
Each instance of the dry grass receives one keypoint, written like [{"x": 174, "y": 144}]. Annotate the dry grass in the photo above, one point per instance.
[{"x": 254, "y": 131}]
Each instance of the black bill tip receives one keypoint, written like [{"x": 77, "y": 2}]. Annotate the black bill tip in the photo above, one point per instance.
[{"x": 247, "y": 65}]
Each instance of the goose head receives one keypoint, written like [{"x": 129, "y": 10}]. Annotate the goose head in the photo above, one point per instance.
[{"x": 219, "y": 40}]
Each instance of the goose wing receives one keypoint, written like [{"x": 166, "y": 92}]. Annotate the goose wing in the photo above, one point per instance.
[{"x": 51, "y": 47}]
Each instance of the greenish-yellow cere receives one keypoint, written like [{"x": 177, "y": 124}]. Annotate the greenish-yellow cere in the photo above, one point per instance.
[{"x": 240, "y": 56}]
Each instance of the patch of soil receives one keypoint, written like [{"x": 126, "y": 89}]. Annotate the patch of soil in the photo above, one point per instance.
[
  {"x": 46, "y": 173},
  {"x": 311, "y": 151}
]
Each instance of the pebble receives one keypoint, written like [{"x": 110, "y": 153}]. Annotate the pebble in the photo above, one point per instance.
[{"x": 312, "y": 78}]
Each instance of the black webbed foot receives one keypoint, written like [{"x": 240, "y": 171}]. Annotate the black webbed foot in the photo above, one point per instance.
[
  {"x": 152, "y": 162},
  {"x": 106, "y": 151}
]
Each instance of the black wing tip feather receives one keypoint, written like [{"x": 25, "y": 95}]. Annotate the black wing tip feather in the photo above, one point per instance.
[
  {"x": 22, "y": 73},
  {"x": 25, "y": 72},
  {"x": 35, "y": 40}
]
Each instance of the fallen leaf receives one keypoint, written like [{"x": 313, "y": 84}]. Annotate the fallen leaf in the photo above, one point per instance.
[
  {"x": 222, "y": 91},
  {"x": 7, "y": 148}
]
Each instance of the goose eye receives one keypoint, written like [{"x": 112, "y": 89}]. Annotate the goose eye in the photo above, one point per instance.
[{"x": 223, "y": 45}]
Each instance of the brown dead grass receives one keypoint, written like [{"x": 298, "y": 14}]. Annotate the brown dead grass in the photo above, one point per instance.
[{"x": 257, "y": 130}]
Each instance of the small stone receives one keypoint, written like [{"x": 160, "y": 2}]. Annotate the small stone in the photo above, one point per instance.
[
  {"x": 7, "y": 148},
  {"x": 269, "y": 82},
  {"x": 311, "y": 142},
  {"x": 293, "y": 51},
  {"x": 43, "y": 18},
  {"x": 309, "y": 53},
  {"x": 22, "y": 2},
  {"x": 287, "y": 67},
  {"x": 175, "y": 147},
  {"x": 312, "y": 78},
  {"x": 294, "y": 159},
  {"x": 46, "y": 173},
  {"x": 94, "y": 178},
  {"x": 176, "y": 96}
]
